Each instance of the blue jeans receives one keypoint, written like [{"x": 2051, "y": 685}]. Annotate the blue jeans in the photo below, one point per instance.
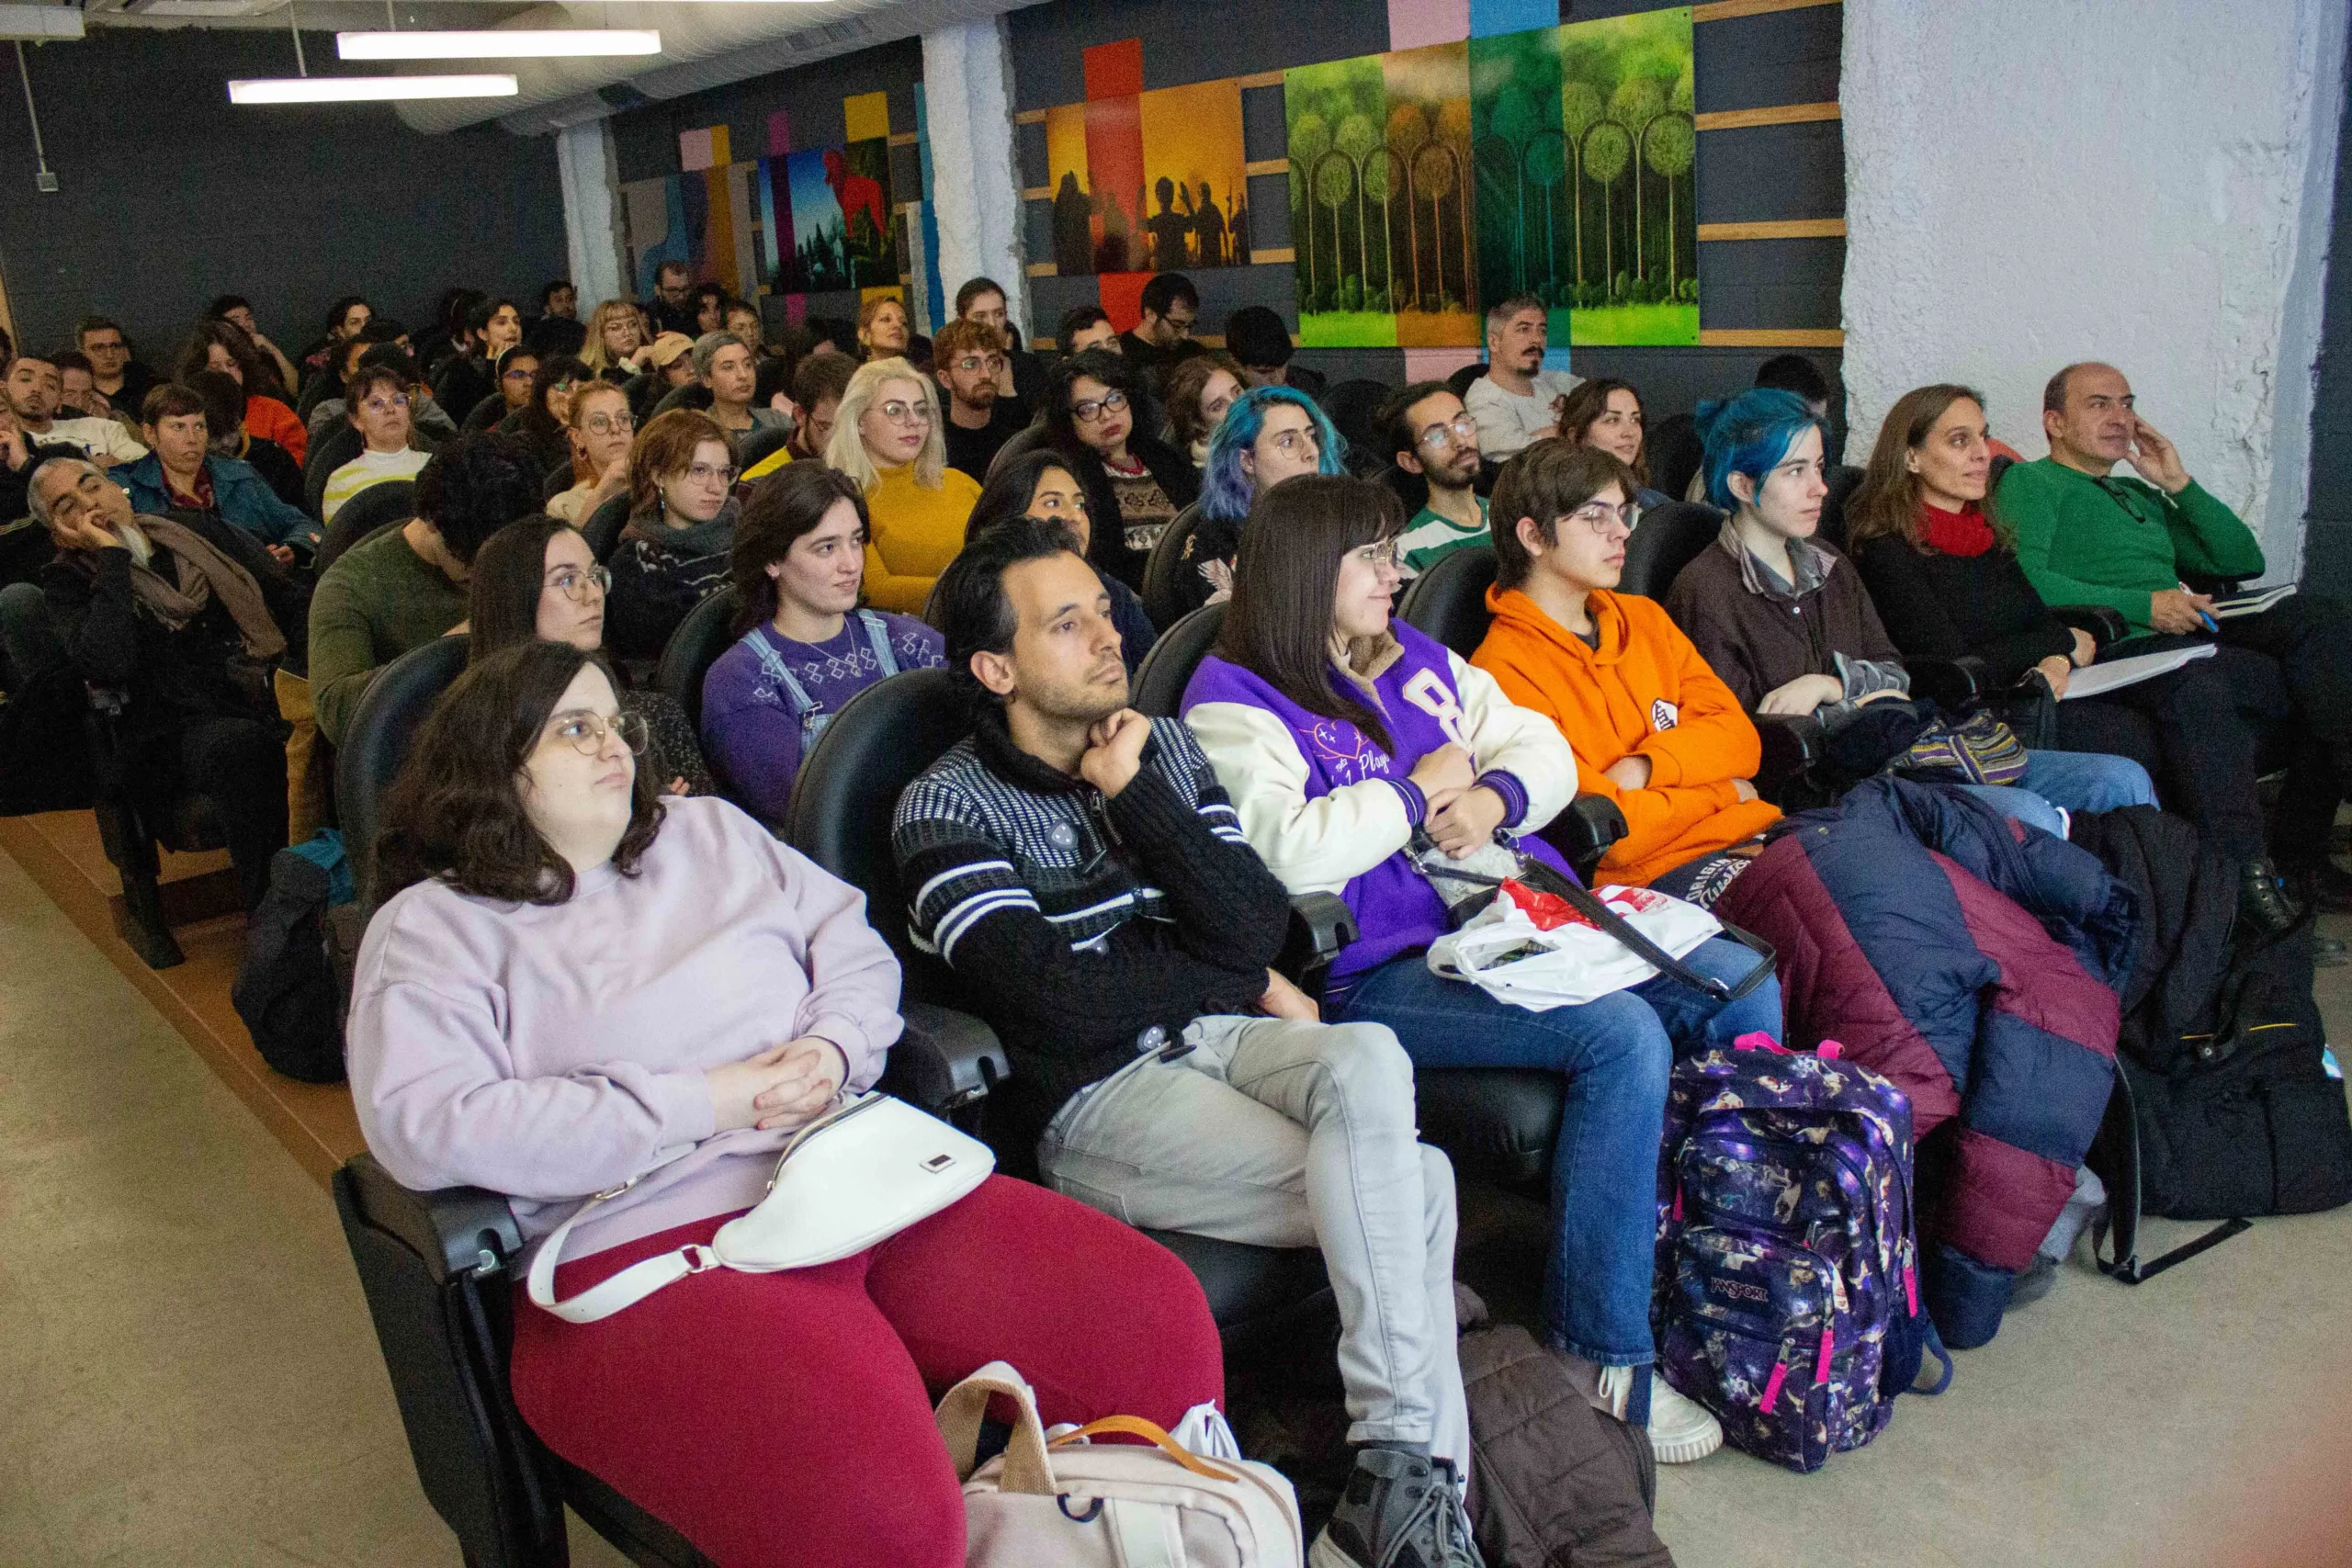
[
  {"x": 1615, "y": 1053},
  {"x": 2078, "y": 781}
]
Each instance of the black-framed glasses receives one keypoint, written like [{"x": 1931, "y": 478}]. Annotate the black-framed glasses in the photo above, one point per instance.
[{"x": 1093, "y": 409}]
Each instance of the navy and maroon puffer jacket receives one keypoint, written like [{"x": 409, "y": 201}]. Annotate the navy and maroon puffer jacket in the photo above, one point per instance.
[{"x": 1976, "y": 964}]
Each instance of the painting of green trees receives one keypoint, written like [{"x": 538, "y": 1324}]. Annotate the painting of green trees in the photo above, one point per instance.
[
  {"x": 1339, "y": 207},
  {"x": 1584, "y": 145}
]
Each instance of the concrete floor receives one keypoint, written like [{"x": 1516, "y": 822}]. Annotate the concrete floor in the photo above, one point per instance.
[{"x": 188, "y": 1374}]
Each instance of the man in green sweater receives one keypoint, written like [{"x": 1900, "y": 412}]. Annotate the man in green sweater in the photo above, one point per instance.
[
  {"x": 402, "y": 588},
  {"x": 2085, "y": 537}
]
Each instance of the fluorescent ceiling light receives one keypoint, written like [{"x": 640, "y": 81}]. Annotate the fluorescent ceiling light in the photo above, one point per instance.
[
  {"x": 498, "y": 44},
  {"x": 360, "y": 89}
]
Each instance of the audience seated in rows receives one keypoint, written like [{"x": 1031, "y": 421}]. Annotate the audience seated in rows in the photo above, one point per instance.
[
  {"x": 34, "y": 390},
  {"x": 727, "y": 368},
  {"x": 1949, "y": 584},
  {"x": 325, "y": 362},
  {"x": 1134, "y": 482},
  {"x": 1088, "y": 326},
  {"x": 673, "y": 305},
  {"x": 1257, "y": 338},
  {"x": 225, "y": 405},
  {"x": 1516, "y": 401},
  {"x": 968, "y": 358},
  {"x": 884, "y": 331},
  {"x": 125, "y": 381},
  {"x": 1655, "y": 730},
  {"x": 804, "y": 645},
  {"x": 681, "y": 527},
  {"x": 165, "y": 611},
  {"x": 1163, "y": 337},
  {"x": 600, "y": 432},
  {"x": 181, "y": 474},
  {"x": 669, "y": 367},
  {"x": 2083, "y": 536},
  {"x": 542, "y": 424},
  {"x": 1431, "y": 436},
  {"x": 536, "y": 578},
  {"x": 615, "y": 340},
  {"x": 225, "y": 347},
  {"x": 1080, "y": 868},
  {"x": 1270, "y": 434},
  {"x": 1199, "y": 391},
  {"x": 887, "y": 438},
  {"x": 1039, "y": 486},
  {"x": 77, "y": 390},
  {"x": 982, "y": 299},
  {"x": 406, "y": 585},
  {"x": 818, "y": 383},
  {"x": 513, "y": 1027},
  {"x": 380, "y": 407},
  {"x": 1365, "y": 760},
  {"x": 468, "y": 376},
  {"x": 379, "y": 342},
  {"x": 238, "y": 312},
  {"x": 1784, "y": 619},
  {"x": 1607, "y": 413}
]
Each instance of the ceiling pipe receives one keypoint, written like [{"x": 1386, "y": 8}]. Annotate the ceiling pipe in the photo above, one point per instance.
[{"x": 703, "y": 46}]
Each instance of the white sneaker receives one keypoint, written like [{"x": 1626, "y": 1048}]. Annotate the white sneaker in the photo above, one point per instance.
[{"x": 1682, "y": 1430}]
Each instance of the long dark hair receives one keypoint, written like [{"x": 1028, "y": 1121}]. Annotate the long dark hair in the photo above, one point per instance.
[
  {"x": 456, "y": 811},
  {"x": 538, "y": 424},
  {"x": 785, "y": 507},
  {"x": 1012, "y": 484},
  {"x": 261, "y": 379},
  {"x": 510, "y": 572},
  {"x": 1108, "y": 537},
  {"x": 1279, "y": 624}
]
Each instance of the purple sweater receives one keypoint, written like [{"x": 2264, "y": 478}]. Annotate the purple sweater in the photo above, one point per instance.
[
  {"x": 550, "y": 1051},
  {"x": 749, "y": 730},
  {"x": 1328, "y": 809}
]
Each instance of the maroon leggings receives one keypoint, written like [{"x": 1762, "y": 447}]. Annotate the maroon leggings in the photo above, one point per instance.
[{"x": 786, "y": 1418}]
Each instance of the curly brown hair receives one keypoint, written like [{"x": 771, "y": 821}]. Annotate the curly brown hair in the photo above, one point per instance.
[{"x": 456, "y": 811}]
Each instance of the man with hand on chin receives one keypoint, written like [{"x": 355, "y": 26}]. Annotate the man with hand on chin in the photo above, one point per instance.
[
  {"x": 2086, "y": 537},
  {"x": 1081, "y": 867}
]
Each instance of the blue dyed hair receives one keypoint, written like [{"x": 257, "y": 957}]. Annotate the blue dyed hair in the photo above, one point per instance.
[
  {"x": 1225, "y": 491},
  {"x": 1748, "y": 434}
]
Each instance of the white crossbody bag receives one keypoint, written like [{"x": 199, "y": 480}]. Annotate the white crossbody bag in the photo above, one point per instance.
[{"x": 855, "y": 1176}]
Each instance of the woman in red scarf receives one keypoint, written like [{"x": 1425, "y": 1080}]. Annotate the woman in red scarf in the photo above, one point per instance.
[{"x": 1947, "y": 583}]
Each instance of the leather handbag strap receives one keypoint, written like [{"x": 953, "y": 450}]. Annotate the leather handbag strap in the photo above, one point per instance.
[{"x": 962, "y": 1408}]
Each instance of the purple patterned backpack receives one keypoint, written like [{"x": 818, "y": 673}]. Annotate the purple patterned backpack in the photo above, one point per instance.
[{"x": 1787, "y": 1290}]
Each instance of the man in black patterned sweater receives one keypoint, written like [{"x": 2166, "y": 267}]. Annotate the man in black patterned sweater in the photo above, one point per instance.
[{"x": 1080, "y": 868}]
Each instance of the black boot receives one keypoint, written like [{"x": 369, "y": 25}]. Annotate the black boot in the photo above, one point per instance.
[{"x": 2263, "y": 903}]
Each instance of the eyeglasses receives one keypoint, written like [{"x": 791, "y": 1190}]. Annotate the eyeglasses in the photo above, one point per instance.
[
  {"x": 383, "y": 405},
  {"x": 703, "y": 473},
  {"x": 1600, "y": 516},
  {"x": 1380, "y": 555},
  {"x": 1181, "y": 324},
  {"x": 1460, "y": 429},
  {"x": 1093, "y": 409},
  {"x": 900, "y": 412},
  {"x": 989, "y": 363},
  {"x": 519, "y": 373},
  {"x": 605, "y": 424},
  {"x": 586, "y": 732},
  {"x": 574, "y": 584},
  {"x": 1288, "y": 442}
]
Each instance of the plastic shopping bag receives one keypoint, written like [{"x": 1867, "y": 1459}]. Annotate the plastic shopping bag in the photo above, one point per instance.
[{"x": 1534, "y": 950}]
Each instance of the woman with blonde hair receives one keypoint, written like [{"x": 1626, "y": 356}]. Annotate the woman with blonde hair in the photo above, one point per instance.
[
  {"x": 615, "y": 336},
  {"x": 887, "y": 438}
]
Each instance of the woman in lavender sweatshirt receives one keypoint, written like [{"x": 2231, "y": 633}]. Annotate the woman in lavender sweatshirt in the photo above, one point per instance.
[{"x": 579, "y": 988}]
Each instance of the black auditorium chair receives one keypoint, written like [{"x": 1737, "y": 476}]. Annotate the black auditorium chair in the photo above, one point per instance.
[
  {"x": 439, "y": 1269},
  {"x": 377, "y": 506},
  {"x": 693, "y": 395},
  {"x": 1459, "y": 382},
  {"x": 1844, "y": 482},
  {"x": 330, "y": 450},
  {"x": 1351, "y": 405},
  {"x": 761, "y": 443},
  {"x": 1163, "y": 568},
  {"x": 693, "y": 649},
  {"x": 603, "y": 526},
  {"x": 558, "y": 480},
  {"x": 843, "y": 802},
  {"x": 1025, "y": 439},
  {"x": 1674, "y": 452}
]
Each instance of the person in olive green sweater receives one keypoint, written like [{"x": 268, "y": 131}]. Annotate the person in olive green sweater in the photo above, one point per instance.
[
  {"x": 2085, "y": 537},
  {"x": 405, "y": 586}
]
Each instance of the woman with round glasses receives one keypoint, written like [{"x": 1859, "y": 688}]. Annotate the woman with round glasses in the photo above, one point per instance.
[
  {"x": 600, "y": 430},
  {"x": 578, "y": 986},
  {"x": 1135, "y": 484},
  {"x": 615, "y": 340},
  {"x": 680, "y": 526},
  {"x": 1270, "y": 434},
  {"x": 1367, "y": 760},
  {"x": 887, "y": 438},
  {"x": 535, "y": 580}
]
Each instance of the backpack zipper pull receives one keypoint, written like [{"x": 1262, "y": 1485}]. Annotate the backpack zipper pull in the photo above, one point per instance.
[{"x": 1772, "y": 1384}]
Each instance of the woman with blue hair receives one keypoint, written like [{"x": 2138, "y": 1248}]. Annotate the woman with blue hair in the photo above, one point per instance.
[
  {"x": 1784, "y": 619},
  {"x": 1269, "y": 434}
]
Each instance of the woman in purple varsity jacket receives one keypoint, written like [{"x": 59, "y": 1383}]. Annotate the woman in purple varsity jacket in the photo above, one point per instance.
[{"x": 1345, "y": 739}]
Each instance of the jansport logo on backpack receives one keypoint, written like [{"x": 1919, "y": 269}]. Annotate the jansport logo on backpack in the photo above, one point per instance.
[{"x": 1787, "y": 1298}]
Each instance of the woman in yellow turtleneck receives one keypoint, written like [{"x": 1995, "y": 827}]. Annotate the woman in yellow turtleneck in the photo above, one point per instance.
[{"x": 887, "y": 438}]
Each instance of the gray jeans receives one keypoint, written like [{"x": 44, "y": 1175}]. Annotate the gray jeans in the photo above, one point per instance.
[{"x": 1283, "y": 1133}]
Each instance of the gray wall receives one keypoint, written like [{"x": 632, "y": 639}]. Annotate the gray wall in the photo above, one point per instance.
[{"x": 170, "y": 194}]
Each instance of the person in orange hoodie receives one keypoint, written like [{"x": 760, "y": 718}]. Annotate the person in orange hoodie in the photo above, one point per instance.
[{"x": 1653, "y": 729}]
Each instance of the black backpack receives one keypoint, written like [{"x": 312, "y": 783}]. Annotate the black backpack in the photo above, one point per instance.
[{"x": 287, "y": 990}]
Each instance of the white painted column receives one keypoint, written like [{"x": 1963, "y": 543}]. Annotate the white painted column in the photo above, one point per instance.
[
  {"x": 975, "y": 179},
  {"x": 592, "y": 231}
]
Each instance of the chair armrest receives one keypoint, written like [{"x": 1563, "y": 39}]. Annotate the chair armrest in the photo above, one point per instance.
[
  {"x": 455, "y": 1231},
  {"x": 1585, "y": 832},
  {"x": 945, "y": 1060},
  {"x": 2102, "y": 621},
  {"x": 1791, "y": 745},
  {"x": 1952, "y": 685},
  {"x": 1320, "y": 927}
]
